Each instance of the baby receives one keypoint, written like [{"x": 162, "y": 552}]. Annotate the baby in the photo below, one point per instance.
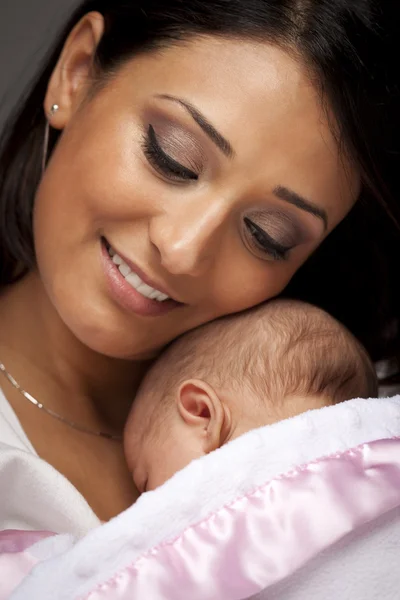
[{"x": 236, "y": 374}]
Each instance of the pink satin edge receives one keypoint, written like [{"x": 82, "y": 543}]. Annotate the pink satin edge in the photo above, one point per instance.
[
  {"x": 15, "y": 560},
  {"x": 265, "y": 536}
]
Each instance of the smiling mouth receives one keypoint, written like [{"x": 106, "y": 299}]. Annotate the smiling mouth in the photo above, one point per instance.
[{"x": 133, "y": 278}]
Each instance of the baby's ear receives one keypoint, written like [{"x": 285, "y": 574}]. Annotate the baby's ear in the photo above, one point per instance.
[{"x": 201, "y": 408}]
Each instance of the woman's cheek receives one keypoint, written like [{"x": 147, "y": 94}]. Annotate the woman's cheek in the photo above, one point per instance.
[{"x": 251, "y": 282}]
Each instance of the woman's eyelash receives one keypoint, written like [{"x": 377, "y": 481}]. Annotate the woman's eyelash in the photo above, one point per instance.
[
  {"x": 162, "y": 162},
  {"x": 265, "y": 242},
  {"x": 169, "y": 167}
]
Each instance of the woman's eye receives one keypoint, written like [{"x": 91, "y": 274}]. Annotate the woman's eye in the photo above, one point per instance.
[
  {"x": 162, "y": 162},
  {"x": 262, "y": 241}
]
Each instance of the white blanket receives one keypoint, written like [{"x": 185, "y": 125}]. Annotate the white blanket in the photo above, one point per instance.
[{"x": 308, "y": 508}]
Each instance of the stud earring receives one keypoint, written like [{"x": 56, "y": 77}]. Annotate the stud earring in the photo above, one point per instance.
[
  {"x": 54, "y": 109},
  {"x": 52, "y": 112}
]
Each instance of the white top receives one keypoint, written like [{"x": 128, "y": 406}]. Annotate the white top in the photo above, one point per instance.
[{"x": 33, "y": 495}]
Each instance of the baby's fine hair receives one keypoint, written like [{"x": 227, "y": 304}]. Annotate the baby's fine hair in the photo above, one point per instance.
[{"x": 280, "y": 349}]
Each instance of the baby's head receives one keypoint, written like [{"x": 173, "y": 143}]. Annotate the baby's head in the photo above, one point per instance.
[{"x": 236, "y": 374}]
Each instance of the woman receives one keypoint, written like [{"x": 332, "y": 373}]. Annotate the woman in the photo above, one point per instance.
[{"x": 199, "y": 154}]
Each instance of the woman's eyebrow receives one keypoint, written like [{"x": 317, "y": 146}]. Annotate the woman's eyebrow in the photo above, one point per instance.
[
  {"x": 293, "y": 198},
  {"x": 222, "y": 143},
  {"x": 209, "y": 129}
]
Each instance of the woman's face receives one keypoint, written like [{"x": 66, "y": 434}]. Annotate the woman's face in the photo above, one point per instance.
[{"x": 210, "y": 167}]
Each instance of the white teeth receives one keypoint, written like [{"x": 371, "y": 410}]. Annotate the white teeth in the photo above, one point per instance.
[
  {"x": 145, "y": 290},
  {"x": 124, "y": 269},
  {"x": 154, "y": 295},
  {"x": 162, "y": 297},
  {"x": 134, "y": 280}
]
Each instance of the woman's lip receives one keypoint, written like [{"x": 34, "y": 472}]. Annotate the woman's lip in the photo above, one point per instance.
[
  {"x": 142, "y": 275},
  {"x": 127, "y": 296}
]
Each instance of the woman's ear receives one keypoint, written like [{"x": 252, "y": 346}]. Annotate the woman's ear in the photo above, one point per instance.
[
  {"x": 202, "y": 409},
  {"x": 71, "y": 78}
]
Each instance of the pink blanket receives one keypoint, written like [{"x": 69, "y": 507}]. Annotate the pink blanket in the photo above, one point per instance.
[{"x": 307, "y": 508}]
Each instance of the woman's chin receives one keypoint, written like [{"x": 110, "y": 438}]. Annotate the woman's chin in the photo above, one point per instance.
[
  {"x": 114, "y": 343},
  {"x": 106, "y": 335}
]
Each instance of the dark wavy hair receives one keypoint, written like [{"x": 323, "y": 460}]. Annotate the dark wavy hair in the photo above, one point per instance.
[{"x": 352, "y": 48}]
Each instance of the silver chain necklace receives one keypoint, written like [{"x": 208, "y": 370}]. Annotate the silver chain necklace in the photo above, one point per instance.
[
  {"x": 14, "y": 383},
  {"x": 53, "y": 414}
]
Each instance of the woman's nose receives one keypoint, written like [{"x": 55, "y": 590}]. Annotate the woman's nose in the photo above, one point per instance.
[{"x": 188, "y": 237}]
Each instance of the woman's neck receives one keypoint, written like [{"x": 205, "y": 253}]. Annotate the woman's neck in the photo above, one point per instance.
[{"x": 37, "y": 347}]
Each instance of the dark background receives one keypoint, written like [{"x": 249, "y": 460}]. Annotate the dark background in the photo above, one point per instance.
[{"x": 27, "y": 29}]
